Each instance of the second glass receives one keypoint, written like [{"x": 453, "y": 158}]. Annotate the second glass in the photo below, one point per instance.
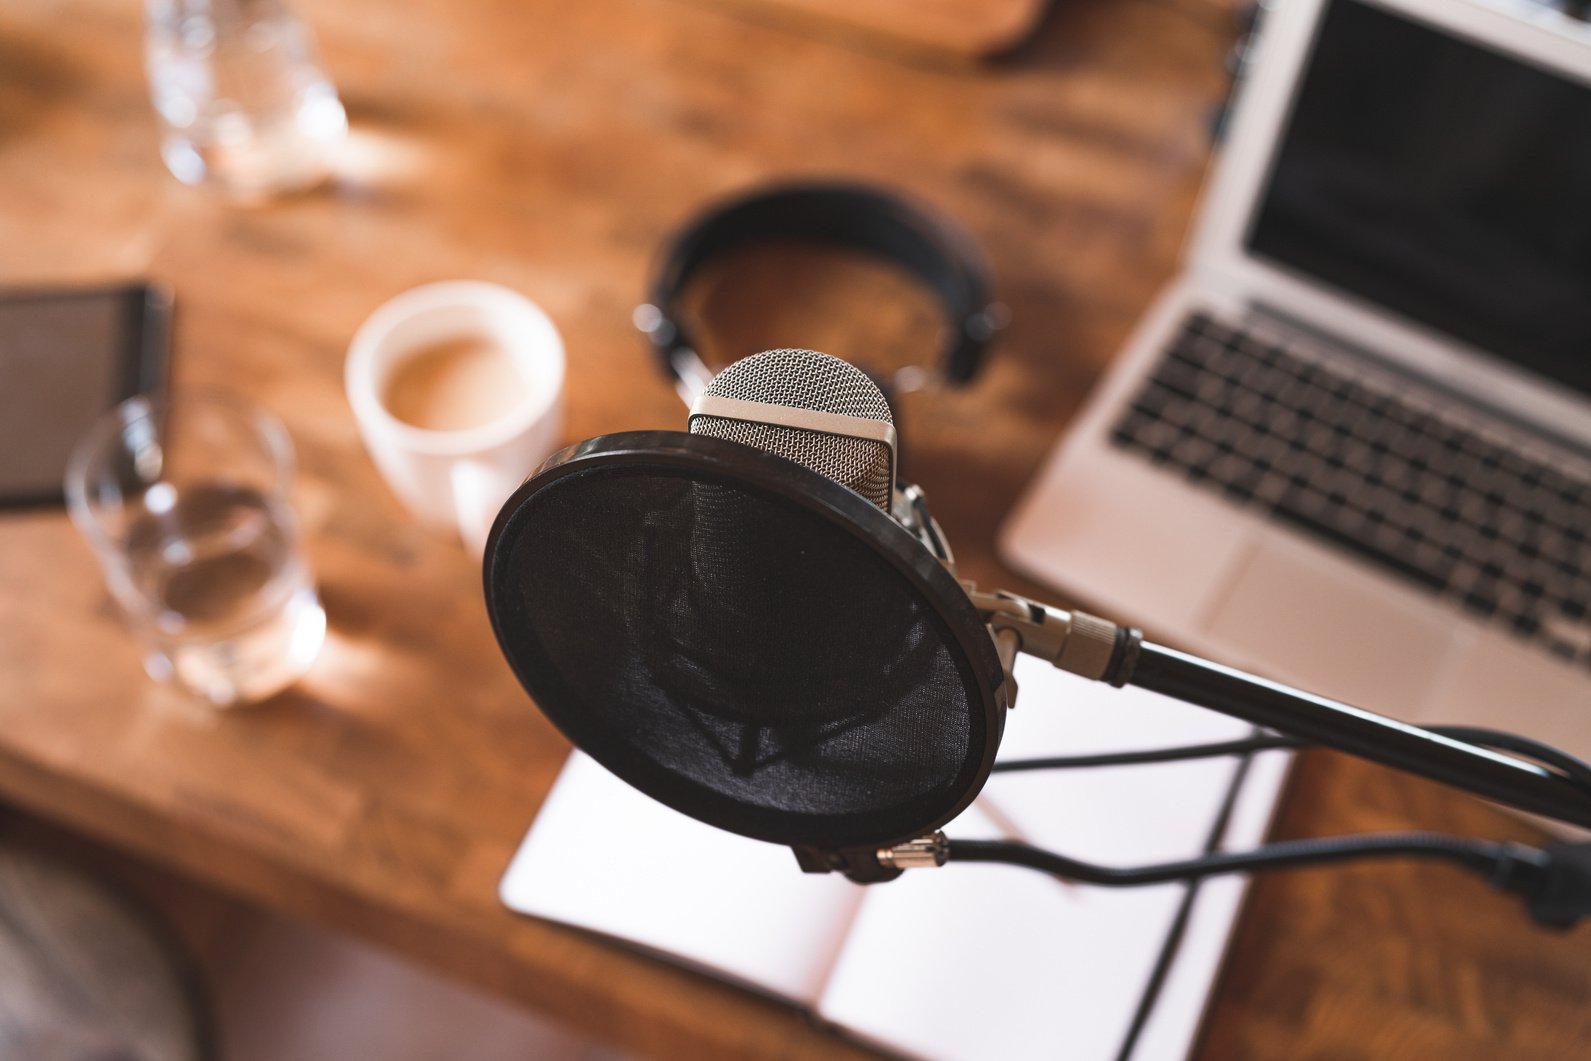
[
  {"x": 242, "y": 100},
  {"x": 185, "y": 502}
]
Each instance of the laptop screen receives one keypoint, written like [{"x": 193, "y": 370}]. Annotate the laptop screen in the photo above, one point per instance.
[{"x": 1443, "y": 181}]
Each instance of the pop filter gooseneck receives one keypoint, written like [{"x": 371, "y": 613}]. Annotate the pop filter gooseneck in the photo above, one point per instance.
[{"x": 758, "y": 626}]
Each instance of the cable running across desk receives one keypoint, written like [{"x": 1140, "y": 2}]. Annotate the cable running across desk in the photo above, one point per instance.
[
  {"x": 1567, "y": 766},
  {"x": 1554, "y": 882}
]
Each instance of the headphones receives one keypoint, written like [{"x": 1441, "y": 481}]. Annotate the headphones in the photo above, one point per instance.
[{"x": 925, "y": 245}]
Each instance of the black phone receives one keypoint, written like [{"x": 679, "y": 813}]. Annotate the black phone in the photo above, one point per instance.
[{"x": 67, "y": 356}]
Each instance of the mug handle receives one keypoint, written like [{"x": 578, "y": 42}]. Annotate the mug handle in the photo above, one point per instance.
[{"x": 478, "y": 492}]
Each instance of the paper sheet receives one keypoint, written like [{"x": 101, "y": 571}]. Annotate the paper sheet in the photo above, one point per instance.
[
  {"x": 980, "y": 961},
  {"x": 604, "y": 857},
  {"x": 969, "y": 961}
]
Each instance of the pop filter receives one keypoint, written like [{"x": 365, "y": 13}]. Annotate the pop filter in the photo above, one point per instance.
[{"x": 746, "y": 640}]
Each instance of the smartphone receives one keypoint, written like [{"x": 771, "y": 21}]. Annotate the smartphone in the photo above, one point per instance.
[{"x": 66, "y": 357}]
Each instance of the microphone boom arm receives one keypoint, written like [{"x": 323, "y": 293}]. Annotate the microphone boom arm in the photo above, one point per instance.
[{"x": 1100, "y": 650}]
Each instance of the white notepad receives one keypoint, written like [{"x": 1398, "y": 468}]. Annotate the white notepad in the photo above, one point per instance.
[{"x": 964, "y": 962}]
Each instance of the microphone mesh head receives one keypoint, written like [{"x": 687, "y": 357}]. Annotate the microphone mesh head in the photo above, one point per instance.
[{"x": 806, "y": 379}]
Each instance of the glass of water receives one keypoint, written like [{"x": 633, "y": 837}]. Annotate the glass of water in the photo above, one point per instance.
[
  {"x": 185, "y": 502},
  {"x": 243, "y": 103}
]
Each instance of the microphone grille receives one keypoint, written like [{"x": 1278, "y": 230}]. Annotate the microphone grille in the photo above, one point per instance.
[
  {"x": 806, "y": 379},
  {"x": 803, "y": 379}
]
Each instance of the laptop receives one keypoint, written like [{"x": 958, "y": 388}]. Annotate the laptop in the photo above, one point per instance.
[{"x": 1350, "y": 447}]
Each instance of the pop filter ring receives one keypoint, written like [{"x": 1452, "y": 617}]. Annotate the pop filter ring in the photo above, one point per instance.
[{"x": 769, "y": 476}]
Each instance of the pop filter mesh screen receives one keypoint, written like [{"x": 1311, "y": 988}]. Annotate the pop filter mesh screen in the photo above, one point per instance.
[{"x": 737, "y": 656}]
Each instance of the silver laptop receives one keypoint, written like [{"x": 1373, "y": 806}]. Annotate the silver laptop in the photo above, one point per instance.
[{"x": 1350, "y": 448}]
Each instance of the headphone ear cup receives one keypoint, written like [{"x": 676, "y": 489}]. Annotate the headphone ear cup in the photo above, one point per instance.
[
  {"x": 966, "y": 351},
  {"x": 963, "y": 360}
]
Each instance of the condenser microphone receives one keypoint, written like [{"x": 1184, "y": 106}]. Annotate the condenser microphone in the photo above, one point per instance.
[
  {"x": 826, "y": 415},
  {"x": 816, "y": 410},
  {"x": 744, "y": 623}
]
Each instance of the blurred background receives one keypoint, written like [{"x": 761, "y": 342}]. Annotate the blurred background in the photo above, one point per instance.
[{"x": 323, "y": 865}]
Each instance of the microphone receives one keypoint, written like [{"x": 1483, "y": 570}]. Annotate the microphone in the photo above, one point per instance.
[
  {"x": 810, "y": 408},
  {"x": 758, "y": 625},
  {"x": 824, "y": 414}
]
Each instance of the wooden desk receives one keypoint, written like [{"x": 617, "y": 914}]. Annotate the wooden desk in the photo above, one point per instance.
[{"x": 550, "y": 147}]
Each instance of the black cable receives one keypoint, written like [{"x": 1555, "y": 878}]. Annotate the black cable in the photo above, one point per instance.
[
  {"x": 1509, "y": 865},
  {"x": 1568, "y": 766},
  {"x": 1577, "y": 770},
  {"x": 1241, "y": 746},
  {"x": 1554, "y": 883}
]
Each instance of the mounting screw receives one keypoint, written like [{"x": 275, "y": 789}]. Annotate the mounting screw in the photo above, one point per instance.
[{"x": 925, "y": 852}]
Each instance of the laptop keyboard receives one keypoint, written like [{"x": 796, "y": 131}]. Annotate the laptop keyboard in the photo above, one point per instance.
[{"x": 1372, "y": 468}]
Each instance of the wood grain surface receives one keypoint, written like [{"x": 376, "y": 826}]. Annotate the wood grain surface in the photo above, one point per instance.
[
  {"x": 550, "y": 147},
  {"x": 942, "y": 30}
]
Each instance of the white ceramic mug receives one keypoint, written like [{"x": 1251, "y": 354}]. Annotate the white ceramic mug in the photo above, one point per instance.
[{"x": 458, "y": 479}]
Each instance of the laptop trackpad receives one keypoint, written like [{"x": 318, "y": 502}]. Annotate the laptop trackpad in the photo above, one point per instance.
[{"x": 1328, "y": 627}]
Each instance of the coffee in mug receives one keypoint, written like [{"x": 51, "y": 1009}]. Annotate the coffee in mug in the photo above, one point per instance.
[{"x": 454, "y": 384}]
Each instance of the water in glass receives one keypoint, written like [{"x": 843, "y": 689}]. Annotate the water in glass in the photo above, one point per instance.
[
  {"x": 236, "y": 617},
  {"x": 243, "y": 102}
]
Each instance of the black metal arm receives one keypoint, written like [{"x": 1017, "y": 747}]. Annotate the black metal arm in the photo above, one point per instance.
[
  {"x": 1101, "y": 650},
  {"x": 1493, "y": 775}
]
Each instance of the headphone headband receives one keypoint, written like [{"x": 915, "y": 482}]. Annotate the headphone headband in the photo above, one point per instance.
[{"x": 881, "y": 224}]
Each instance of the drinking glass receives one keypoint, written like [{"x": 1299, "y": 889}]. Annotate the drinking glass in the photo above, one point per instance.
[
  {"x": 242, "y": 100},
  {"x": 185, "y": 503}
]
